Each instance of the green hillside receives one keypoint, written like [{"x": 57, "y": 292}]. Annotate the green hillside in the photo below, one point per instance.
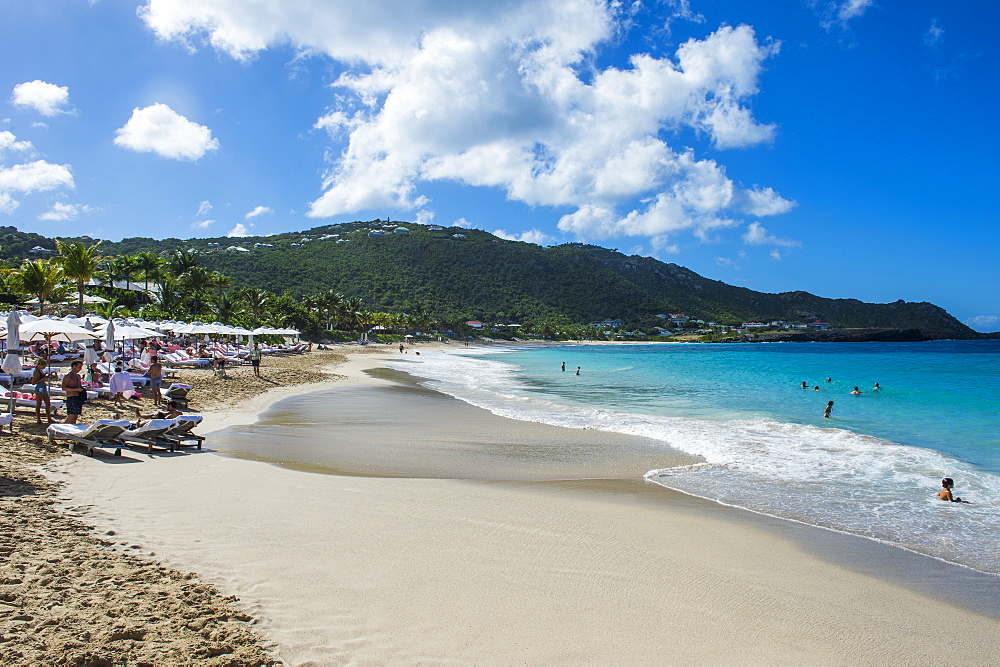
[
  {"x": 453, "y": 274},
  {"x": 483, "y": 277}
]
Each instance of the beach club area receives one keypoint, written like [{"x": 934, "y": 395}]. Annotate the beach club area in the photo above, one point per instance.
[{"x": 195, "y": 554}]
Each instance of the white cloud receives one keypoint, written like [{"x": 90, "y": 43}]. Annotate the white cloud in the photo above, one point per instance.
[
  {"x": 204, "y": 208},
  {"x": 985, "y": 323},
  {"x": 7, "y": 203},
  {"x": 757, "y": 235},
  {"x": 240, "y": 230},
  {"x": 934, "y": 34},
  {"x": 60, "y": 211},
  {"x": 161, "y": 130},
  {"x": 259, "y": 210},
  {"x": 46, "y": 98},
  {"x": 775, "y": 254},
  {"x": 528, "y": 111},
  {"x": 535, "y": 236},
  {"x": 37, "y": 176},
  {"x": 425, "y": 217},
  {"x": 10, "y": 144},
  {"x": 202, "y": 224},
  {"x": 761, "y": 202},
  {"x": 463, "y": 223},
  {"x": 838, "y": 13}
]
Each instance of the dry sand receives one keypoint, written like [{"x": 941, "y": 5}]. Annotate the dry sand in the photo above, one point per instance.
[
  {"x": 365, "y": 569},
  {"x": 68, "y": 596}
]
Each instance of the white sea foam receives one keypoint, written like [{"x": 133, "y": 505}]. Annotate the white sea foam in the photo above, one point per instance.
[{"x": 827, "y": 477}]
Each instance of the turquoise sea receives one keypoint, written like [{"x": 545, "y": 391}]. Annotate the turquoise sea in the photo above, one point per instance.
[{"x": 870, "y": 470}]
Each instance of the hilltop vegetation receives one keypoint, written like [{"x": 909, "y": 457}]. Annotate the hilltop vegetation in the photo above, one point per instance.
[{"x": 453, "y": 274}]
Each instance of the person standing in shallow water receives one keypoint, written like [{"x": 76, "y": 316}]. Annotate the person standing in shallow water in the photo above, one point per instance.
[
  {"x": 564, "y": 365},
  {"x": 829, "y": 409},
  {"x": 577, "y": 370}
]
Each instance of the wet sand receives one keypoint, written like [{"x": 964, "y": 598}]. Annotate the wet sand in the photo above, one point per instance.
[{"x": 391, "y": 561}]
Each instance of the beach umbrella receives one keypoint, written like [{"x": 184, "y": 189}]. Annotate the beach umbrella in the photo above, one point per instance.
[
  {"x": 109, "y": 337},
  {"x": 11, "y": 361},
  {"x": 89, "y": 353},
  {"x": 58, "y": 330}
]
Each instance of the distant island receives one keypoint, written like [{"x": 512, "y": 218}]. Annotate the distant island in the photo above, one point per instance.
[{"x": 471, "y": 279}]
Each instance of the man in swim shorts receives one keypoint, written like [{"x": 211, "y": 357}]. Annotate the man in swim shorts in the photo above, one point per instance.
[{"x": 72, "y": 384}]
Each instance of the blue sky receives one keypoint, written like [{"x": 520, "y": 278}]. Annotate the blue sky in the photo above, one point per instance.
[{"x": 842, "y": 147}]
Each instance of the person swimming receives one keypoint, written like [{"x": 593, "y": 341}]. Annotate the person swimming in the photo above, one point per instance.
[
  {"x": 857, "y": 392},
  {"x": 945, "y": 493},
  {"x": 876, "y": 387},
  {"x": 829, "y": 409},
  {"x": 816, "y": 388},
  {"x": 828, "y": 380},
  {"x": 804, "y": 385}
]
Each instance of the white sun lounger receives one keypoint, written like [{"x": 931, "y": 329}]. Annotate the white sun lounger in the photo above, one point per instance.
[
  {"x": 102, "y": 433},
  {"x": 181, "y": 431},
  {"x": 29, "y": 402},
  {"x": 150, "y": 435}
]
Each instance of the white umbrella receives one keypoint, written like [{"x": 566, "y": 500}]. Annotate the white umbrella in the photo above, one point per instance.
[
  {"x": 11, "y": 361},
  {"x": 133, "y": 332},
  {"x": 196, "y": 328},
  {"x": 89, "y": 353},
  {"x": 50, "y": 330},
  {"x": 109, "y": 338}
]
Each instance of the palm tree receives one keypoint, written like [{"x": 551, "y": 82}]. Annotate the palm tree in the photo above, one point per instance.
[
  {"x": 227, "y": 307},
  {"x": 151, "y": 266},
  {"x": 122, "y": 267},
  {"x": 170, "y": 298},
  {"x": 196, "y": 281},
  {"x": 220, "y": 281},
  {"x": 257, "y": 302},
  {"x": 42, "y": 278},
  {"x": 79, "y": 262},
  {"x": 181, "y": 262}
]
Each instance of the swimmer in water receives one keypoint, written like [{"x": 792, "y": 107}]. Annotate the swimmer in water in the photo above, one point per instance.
[
  {"x": 577, "y": 370},
  {"x": 804, "y": 385},
  {"x": 816, "y": 388},
  {"x": 828, "y": 380},
  {"x": 857, "y": 392},
  {"x": 829, "y": 409},
  {"x": 945, "y": 493},
  {"x": 876, "y": 387}
]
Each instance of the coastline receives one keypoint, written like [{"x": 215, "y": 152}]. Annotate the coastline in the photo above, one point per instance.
[{"x": 564, "y": 571}]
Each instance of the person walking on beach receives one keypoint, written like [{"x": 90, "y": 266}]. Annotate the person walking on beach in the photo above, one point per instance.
[
  {"x": 72, "y": 384},
  {"x": 255, "y": 359},
  {"x": 155, "y": 373},
  {"x": 945, "y": 493},
  {"x": 40, "y": 378},
  {"x": 829, "y": 409}
]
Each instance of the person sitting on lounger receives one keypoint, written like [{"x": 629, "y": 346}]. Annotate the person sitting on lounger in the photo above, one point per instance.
[{"x": 172, "y": 412}]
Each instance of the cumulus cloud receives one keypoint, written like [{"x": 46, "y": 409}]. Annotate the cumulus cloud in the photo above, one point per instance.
[
  {"x": 9, "y": 144},
  {"x": 259, "y": 210},
  {"x": 536, "y": 236},
  {"x": 757, "y": 235},
  {"x": 161, "y": 130},
  {"x": 425, "y": 217},
  {"x": 202, "y": 224},
  {"x": 762, "y": 202},
  {"x": 60, "y": 211},
  {"x": 240, "y": 230},
  {"x": 46, "y": 98},
  {"x": 204, "y": 207},
  {"x": 462, "y": 223},
  {"x": 509, "y": 96},
  {"x": 985, "y": 323},
  {"x": 31, "y": 177}
]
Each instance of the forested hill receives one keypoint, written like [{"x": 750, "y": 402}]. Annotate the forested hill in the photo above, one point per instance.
[{"x": 466, "y": 273}]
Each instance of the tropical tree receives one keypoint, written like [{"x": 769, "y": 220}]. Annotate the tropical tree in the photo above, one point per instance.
[
  {"x": 227, "y": 306},
  {"x": 196, "y": 281},
  {"x": 121, "y": 268},
  {"x": 170, "y": 299},
  {"x": 150, "y": 265},
  {"x": 43, "y": 279},
  {"x": 79, "y": 263},
  {"x": 257, "y": 302},
  {"x": 181, "y": 262}
]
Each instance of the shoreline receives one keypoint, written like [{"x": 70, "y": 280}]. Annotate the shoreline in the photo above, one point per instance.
[{"x": 515, "y": 510}]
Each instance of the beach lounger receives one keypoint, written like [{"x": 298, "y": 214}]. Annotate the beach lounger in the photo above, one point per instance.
[
  {"x": 181, "y": 431},
  {"x": 150, "y": 435},
  {"x": 28, "y": 400},
  {"x": 178, "y": 392},
  {"x": 102, "y": 433},
  {"x": 7, "y": 419}
]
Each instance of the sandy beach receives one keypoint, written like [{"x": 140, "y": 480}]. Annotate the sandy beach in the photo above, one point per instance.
[{"x": 541, "y": 564}]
